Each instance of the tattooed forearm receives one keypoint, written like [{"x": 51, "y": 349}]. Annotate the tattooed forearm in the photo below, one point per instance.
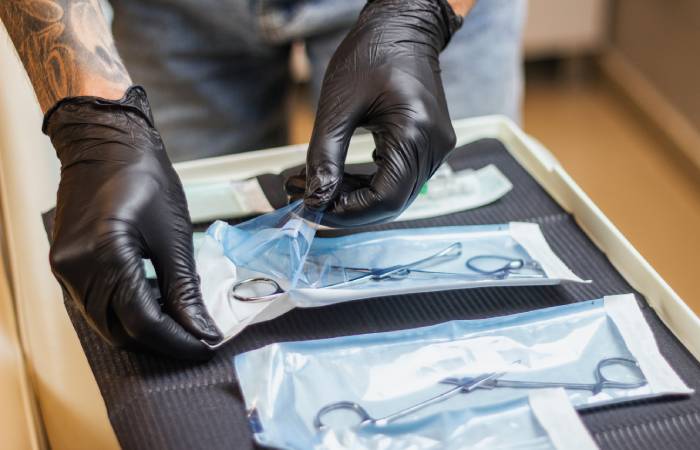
[{"x": 66, "y": 48}]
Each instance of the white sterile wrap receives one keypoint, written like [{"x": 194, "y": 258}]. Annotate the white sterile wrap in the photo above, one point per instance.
[
  {"x": 327, "y": 271},
  {"x": 449, "y": 192},
  {"x": 553, "y": 411},
  {"x": 228, "y": 198},
  {"x": 625, "y": 313}
]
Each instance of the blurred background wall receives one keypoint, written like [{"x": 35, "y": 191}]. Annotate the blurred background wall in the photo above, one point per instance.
[{"x": 662, "y": 40}]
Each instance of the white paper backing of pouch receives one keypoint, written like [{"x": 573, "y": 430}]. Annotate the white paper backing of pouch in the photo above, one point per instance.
[
  {"x": 225, "y": 199},
  {"x": 624, "y": 311},
  {"x": 554, "y": 412},
  {"x": 450, "y": 192},
  {"x": 218, "y": 275}
]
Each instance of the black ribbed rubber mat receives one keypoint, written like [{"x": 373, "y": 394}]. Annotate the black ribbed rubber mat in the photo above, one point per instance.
[{"x": 156, "y": 403}]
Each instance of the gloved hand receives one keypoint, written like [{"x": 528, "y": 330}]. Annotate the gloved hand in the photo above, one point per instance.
[
  {"x": 120, "y": 200},
  {"x": 385, "y": 76}
]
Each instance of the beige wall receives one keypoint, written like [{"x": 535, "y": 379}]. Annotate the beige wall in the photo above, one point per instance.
[
  {"x": 71, "y": 407},
  {"x": 661, "y": 38},
  {"x": 565, "y": 27},
  {"x": 18, "y": 425}
]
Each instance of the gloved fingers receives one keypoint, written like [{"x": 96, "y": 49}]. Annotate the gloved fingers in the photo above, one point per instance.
[
  {"x": 179, "y": 285},
  {"x": 295, "y": 185},
  {"x": 118, "y": 299},
  {"x": 377, "y": 199},
  {"x": 144, "y": 322},
  {"x": 409, "y": 150},
  {"x": 122, "y": 278},
  {"x": 325, "y": 166},
  {"x": 336, "y": 120}
]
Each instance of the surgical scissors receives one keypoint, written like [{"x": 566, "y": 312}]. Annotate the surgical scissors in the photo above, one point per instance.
[
  {"x": 490, "y": 381},
  {"x": 506, "y": 266},
  {"x": 366, "y": 419},
  {"x": 398, "y": 271},
  {"x": 601, "y": 381}
]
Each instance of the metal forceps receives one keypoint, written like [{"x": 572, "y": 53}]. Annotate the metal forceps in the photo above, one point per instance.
[{"x": 491, "y": 381}]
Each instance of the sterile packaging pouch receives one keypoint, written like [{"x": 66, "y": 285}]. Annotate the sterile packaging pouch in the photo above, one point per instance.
[
  {"x": 263, "y": 268},
  {"x": 448, "y": 191},
  {"x": 211, "y": 200},
  {"x": 600, "y": 351},
  {"x": 543, "y": 420}
]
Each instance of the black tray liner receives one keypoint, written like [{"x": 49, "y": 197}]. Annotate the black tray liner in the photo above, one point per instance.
[{"x": 159, "y": 403}]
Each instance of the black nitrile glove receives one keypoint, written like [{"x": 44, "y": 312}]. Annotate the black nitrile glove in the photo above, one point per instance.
[
  {"x": 119, "y": 201},
  {"x": 385, "y": 77}
]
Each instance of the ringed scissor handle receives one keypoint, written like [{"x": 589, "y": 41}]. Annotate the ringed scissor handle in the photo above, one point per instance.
[
  {"x": 361, "y": 412},
  {"x": 277, "y": 290},
  {"x": 601, "y": 381},
  {"x": 400, "y": 270},
  {"x": 509, "y": 265}
]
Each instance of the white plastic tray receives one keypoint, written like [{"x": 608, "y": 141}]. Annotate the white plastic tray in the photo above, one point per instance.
[{"x": 539, "y": 162}]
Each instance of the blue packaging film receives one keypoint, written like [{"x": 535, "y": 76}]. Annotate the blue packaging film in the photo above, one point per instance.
[
  {"x": 600, "y": 351},
  {"x": 542, "y": 420},
  {"x": 263, "y": 268}
]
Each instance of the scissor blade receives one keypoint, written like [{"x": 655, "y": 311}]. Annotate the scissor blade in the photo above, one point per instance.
[
  {"x": 451, "y": 252},
  {"x": 486, "y": 381},
  {"x": 431, "y": 275}
]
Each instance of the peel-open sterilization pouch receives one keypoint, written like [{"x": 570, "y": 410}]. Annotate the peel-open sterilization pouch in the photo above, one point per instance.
[
  {"x": 448, "y": 191},
  {"x": 263, "y": 268},
  {"x": 543, "y": 420},
  {"x": 428, "y": 384}
]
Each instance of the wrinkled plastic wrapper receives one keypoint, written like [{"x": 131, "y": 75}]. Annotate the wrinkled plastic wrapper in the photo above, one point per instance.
[
  {"x": 274, "y": 245},
  {"x": 305, "y": 270},
  {"x": 285, "y": 385}
]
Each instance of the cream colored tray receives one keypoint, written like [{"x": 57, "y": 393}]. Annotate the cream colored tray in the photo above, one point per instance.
[{"x": 540, "y": 163}]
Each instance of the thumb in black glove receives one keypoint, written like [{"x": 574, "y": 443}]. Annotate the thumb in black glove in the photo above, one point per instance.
[
  {"x": 119, "y": 201},
  {"x": 385, "y": 76}
]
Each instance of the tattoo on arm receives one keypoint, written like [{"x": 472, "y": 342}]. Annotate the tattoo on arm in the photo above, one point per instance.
[{"x": 66, "y": 48}]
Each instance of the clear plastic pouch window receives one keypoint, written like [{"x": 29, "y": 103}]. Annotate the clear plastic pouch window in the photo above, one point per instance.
[
  {"x": 599, "y": 351},
  {"x": 262, "y": 268},
  {"x": 542, "y": 420}
]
